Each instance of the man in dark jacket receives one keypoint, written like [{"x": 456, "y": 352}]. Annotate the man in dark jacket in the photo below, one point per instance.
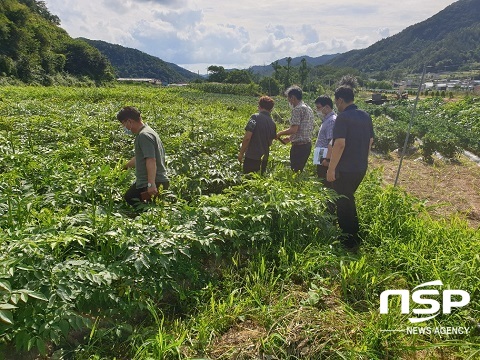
[{"x": 352, "y": 140}]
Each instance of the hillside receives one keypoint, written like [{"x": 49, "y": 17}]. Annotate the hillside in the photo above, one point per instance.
[
  {"x": 448, "y": 40},
  {"x": 133, "y": 63},
  {"x": 34, "y": 49},
  {"x": 267, "y": 70}
]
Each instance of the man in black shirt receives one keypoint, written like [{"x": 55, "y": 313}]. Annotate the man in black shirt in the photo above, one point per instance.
[
  {"x": 259, "y": 134},
  {"x": 352, "y": 140}
]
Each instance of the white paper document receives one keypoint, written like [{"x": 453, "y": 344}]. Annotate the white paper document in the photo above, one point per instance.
[{"x": 319, "y": 153}]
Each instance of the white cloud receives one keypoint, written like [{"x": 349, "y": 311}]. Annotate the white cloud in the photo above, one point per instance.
[
  {"x": 272, "y": 44},
  {"x": 383, "y": 32},
  {"x": 310, "y": 35},
  {"x": 241, "y": 33},
  {"x": 360, "y": 42},
  {"x": 181, "y": 20},
  {"x": 276, "y": 30},
  {"x": 163, "y": 2}
]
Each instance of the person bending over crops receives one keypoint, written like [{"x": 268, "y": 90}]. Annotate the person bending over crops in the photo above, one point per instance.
[
  {"x": 259, "y": 134},
  {"x": 300, "y": 130},
  {"x": 352, "y": 140},
  {"x": 149, "y": 159}
]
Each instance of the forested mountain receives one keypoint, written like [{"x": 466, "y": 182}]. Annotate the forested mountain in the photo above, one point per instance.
[
  {"x": 267, "y": 70},
  {"x": 449, "y": 40},
  {"x": 33, "y": 48},
  {"x": 132, "y": 63}
]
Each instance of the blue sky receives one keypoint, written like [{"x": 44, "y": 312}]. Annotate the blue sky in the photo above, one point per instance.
[{"x": 197, "y": 33}]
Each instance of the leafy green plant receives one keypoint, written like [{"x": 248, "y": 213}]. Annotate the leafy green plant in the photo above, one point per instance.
[
  {"x": 83, "y": 275},
  {"x": 385, "y": 138}
]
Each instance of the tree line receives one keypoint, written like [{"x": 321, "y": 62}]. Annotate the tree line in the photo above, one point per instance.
[{"x": 320, "y": 78}]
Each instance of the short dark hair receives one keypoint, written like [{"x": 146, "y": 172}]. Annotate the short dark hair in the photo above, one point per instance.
[
  {"x": 345, "y": 93},
  {"x": 324, "y": 100},
  {"x": 266, "y": 102},
  {"x": 128, "y": 112},
  {"x": 294, "y": 91}
]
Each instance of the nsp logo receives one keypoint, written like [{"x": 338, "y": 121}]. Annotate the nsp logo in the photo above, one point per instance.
[{"x": 420, "y": 296}]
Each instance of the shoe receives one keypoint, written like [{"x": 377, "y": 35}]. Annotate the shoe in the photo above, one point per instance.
[{"x": 351, "y": 243}]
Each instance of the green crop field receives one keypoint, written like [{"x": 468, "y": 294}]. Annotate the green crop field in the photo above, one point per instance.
[{"x": 222, "y": 266}]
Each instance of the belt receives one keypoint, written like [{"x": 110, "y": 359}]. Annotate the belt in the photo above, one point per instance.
[{"x": 300, "y": 143}]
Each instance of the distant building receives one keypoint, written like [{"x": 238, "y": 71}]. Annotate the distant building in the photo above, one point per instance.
[
  {"x": 427, "y": 86},
  {"x": 150, "y": 81}
]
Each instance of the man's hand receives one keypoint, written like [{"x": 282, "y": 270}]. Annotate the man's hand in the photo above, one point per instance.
[
  {"x": 330, "y": 175},
  {"x": 152, "y": 190},
  {"x": 240, "y": 157},
  {"x": 130, "y": 164}
]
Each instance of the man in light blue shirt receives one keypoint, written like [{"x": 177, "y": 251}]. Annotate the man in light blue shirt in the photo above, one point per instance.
[{"x": 324, "y": 105}]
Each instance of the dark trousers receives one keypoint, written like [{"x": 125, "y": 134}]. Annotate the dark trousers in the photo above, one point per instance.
[
  {"x": 299, "y": 155},
  {"x": 132, "y": 196},
  {"x": 346, "y": 184},
  {"x": 322, "y": 174},
  {"x": 251, "y": 165}
]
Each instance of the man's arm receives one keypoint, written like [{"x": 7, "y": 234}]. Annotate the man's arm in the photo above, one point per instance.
[
  {"x": 328, "y": 156},
  {"x": 337, "y": 151},
  {"x": 151, "y": 164},
  {"x": 130, "y": 164},
  {"x": 245, "y": 142},
  {"x": 290, "y": 131}
]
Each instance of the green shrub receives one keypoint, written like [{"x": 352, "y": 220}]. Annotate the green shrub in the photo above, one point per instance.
[
  {"x": 390, "y": 135},
  {"x": 441, "y": 141},
  {"x": 400, "y": 130},
  {"x": 270, "y": 86},
  {"x": 234, "y": 89}
]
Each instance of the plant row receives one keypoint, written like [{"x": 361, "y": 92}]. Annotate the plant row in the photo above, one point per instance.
[{"x": 444, "y": 128}]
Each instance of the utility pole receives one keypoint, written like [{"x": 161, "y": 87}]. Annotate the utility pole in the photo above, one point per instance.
[{"x": 409, "y": 127}]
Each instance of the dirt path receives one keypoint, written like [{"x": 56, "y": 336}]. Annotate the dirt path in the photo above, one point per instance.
[{"x": 449, "y": 188}]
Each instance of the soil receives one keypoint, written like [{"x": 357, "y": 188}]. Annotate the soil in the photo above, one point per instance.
[{"x": 449, "y": 188}]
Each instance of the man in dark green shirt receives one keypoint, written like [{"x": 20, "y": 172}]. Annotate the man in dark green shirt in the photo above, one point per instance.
[{"x": 149, "y": 159}]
